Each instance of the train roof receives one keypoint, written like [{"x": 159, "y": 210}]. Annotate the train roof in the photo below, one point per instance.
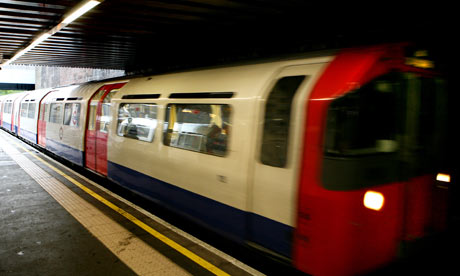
[
  {"x": 243, "y": 80},
  {"x": 81, "y": 92},
  {"x": 14, "y": 96}
]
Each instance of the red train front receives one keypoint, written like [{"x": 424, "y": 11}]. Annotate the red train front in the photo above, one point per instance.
[{"x": 367, "y": 186}]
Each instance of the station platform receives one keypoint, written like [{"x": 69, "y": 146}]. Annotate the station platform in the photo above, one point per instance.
[{"x": 55, "y": 221}]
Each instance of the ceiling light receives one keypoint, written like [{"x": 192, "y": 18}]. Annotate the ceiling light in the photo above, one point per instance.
[
  {"x": 80, "y": 11},
  {"x": 83, "y": 8}
]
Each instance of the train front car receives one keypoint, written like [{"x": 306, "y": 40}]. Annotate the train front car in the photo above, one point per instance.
[{"x": 372, "y": 140}]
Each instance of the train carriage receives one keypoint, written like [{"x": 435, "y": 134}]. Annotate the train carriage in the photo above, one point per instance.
[
  {"x": 28, "y": 114},
  {"x": 62, "y": 121},
  {"x": 10, "y": 111},
  {"x": 215, "y": 176},
  {"x": 326, "y": 161}
]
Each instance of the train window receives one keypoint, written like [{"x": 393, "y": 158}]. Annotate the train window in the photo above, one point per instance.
[
  {"x": 8, "y": 108},
  {"x": 137, "y": 121},
  {"x": 67, "y": 113},
  {"x": 106, "y": 115},
  {"x": 277, "y": 119},
  {"x": 23, "y": 111},
  {"x": 75, "y": 118},
  {"x": 198, "y": 127},
  {"x": 31, "y": 110},
  {"x": 72, "y": 114},
  {"x": 364, "y": 121},
  {"x": 47, "y": 106},
  {"x": 395, "y": 119},
  {"x": 55, "y": 113}
]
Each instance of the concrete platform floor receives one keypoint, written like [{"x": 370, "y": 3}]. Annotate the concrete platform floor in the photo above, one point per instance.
[{"x": 50, "y": 225}]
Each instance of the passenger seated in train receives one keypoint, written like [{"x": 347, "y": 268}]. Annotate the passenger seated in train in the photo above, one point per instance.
[
  {"x": 130, "y": 129},
  {"x": 216, "y": 139}
]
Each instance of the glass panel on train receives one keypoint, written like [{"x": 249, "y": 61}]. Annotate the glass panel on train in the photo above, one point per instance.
[
  {"x": 55, "y": 113},
  {"x": 276, "y": 122},
  {"x": 31, "y": 110},
  {"x": 72, "y": 114},
  {"x": 93, "y": 109},
  {"x": 137, "y": 121},
  {"x": 106, "y": 115},
  {"x": 365, "y": 121},
  {"x": 23, "y": 111},
  {"x": 75, "y": 118},
  {"x": 202, "y": 128},
  {"x": 394, "y": 121},
  {"x": 67, "y": 113}
]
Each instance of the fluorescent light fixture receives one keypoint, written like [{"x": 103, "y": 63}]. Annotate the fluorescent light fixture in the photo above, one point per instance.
[
  {"x": 80, "y": 11},
  {"x": 84, "y": 7},
  {"x": 34, "y": 43}
]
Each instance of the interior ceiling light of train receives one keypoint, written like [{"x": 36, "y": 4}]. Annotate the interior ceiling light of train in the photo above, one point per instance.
[{"x": 137, "y": 34}]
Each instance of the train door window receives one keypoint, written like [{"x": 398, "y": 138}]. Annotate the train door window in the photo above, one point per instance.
[
  {"x": 93, "y": 109},
  {"x": 55, "y": 113},
  {"x": 137, "y": 121},
  {"x": 31, "y": 110},
  {"x": 202, "y": 128},
  {"x": 75, "y": 117},
  {"x": 47, "y": 107},
  {"x": 105, "y": 111},
  {"x": 42, "y": 113},
  {"x": 276, "y": 122},
  {"x": 67, "y": 113},
  {"x": 425, "y": 128},
  {"x": 72, "y": 114},
  {"x": 23, "y": 111}
]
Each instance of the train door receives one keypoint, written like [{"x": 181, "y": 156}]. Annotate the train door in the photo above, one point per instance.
[
  {"x": 16, "y": 121},
  {"x": 1, "y": 113},
  {"x": 41, "y": 124},
  {"x": 97, "y": 128},
  {"x": 278, "y": 154}
]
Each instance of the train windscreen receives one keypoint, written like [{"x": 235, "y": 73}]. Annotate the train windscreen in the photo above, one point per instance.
[{"x": 393, "y": 122}]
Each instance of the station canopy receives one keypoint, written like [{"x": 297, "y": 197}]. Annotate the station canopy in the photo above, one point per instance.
[{"x": 136, "y": 34}]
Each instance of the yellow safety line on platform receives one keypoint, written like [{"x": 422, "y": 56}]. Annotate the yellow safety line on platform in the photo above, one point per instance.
[{"x": 184, "y": 251}]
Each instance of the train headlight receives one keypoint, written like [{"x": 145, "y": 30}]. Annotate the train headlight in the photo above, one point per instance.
[
  {"x": 443, "y": 177},
  {"x": 373, "y": 200}
]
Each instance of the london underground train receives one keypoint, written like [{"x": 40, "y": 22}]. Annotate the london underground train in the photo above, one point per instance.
[{"x": 325, "y": 161}]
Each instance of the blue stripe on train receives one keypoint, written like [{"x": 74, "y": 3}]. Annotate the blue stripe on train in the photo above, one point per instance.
[
  {"x": 29, "y": 135},
  {"x": 237, "y": 224},
  {"x": 6, "y": 125},
  {"x": 65, "y": 151}
]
